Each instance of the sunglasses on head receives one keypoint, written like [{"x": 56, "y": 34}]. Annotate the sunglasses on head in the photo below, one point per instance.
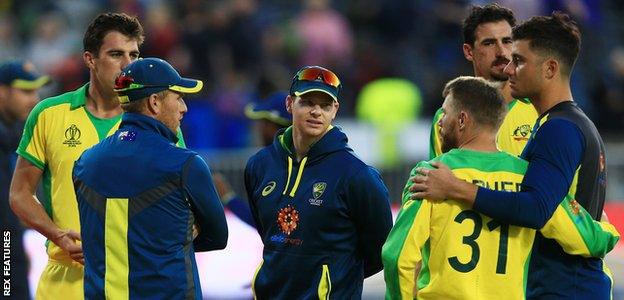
[
  {"x": 318, "y": 74},
  {"x": 125, "y": 83}
]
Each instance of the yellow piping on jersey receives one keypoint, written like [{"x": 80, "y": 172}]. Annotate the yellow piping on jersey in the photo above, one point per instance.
[
  {"x": 253, "y": 281},
  {"x": 297, "y": 179},
  {"x": 324, "y": 287},
  {"x": 294, "y": 189},
  {"x": 288, "y": 178}
]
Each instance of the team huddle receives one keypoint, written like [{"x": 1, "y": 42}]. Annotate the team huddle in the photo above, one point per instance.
[{"x": 509, "y": 205}]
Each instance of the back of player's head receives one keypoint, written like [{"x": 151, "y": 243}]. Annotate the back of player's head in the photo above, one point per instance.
[
  {"x": 480, "y": 98},
  {"x": 556, "y": 36},
  {"x": 107, "y": 22},
  {"x": 485, "y": 14}
]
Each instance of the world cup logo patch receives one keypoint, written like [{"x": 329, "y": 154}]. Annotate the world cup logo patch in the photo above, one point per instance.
[
  {"x": 288, "y": 219},
  {"x": 72, "y": 136}
]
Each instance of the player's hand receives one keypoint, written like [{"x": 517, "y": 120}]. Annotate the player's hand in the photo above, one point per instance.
[
  {"x": 433, "y": 184},
  {"x": 195, "y": 230},
  {"x": 69, "y": 241}
]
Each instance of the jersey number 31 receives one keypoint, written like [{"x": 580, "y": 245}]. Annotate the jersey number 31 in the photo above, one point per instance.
[{"x": 470, "y": 240}]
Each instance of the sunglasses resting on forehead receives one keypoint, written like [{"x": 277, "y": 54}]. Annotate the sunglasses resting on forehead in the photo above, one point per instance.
[
  {"x": 318, "y": 74},
  {"x": 125, "y": 83}
]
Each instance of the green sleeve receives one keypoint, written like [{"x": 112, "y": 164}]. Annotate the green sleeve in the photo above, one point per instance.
[
  {"x": 405, "y": 243},
  {"x": 32, "y": 144},
  {"x": 578, "y": 233}
]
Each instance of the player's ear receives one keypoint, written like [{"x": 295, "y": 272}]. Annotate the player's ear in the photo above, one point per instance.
[
  {"x": 467, "y": 51},
  {"x": 88, "y": 59},
  {"x": 550, "y": 68},
  {"x": 289, "y": 103},
  {"x": 462, "y": 120},
  {"x": 154, "y": 105}
]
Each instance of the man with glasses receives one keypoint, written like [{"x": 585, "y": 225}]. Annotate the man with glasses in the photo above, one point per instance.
[
  {"x": 57, "y": 131},
  {"x": 137, "y": 224},
  {"x": 322, "y": 214}
]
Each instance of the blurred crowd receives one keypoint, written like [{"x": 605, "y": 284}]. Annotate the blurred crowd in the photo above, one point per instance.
[{"x": 246, "y": 49}]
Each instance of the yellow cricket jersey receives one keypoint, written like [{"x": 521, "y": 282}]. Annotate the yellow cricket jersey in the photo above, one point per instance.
[
  {"x": 467, "y": 255},
  {"x": 512, "y": 136},
  {"x": 56, "y": 133}
]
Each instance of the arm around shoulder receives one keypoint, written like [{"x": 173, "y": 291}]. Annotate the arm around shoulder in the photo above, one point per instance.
[{"x": 559, "y": 145}]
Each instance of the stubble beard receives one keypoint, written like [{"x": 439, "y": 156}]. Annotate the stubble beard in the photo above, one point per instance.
[
  {"x": 448, "y": 141},
  {"x": 499, "y": 77}
]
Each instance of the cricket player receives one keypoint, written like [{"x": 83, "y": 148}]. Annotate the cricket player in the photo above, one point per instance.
[
  {"x": 446, "y": 250},
  {"x": 487, "y": 44},
  {"x": 566, "y": 156}
]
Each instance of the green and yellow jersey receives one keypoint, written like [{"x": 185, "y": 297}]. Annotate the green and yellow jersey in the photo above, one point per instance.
[
  {"x": 512, "y": 136},
  {"x": 56, "y": 133},
  {"x": 467, "y": 255}
]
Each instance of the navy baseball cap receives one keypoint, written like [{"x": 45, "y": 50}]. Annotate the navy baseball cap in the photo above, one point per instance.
[
  {"x": 22, "y": 75},
  {"x": 273, "y": 108},
  {"x": 316, "y": 79},
  {"x": 151, "y": 75}
]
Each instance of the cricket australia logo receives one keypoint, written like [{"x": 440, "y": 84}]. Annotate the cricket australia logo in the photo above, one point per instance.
[
  {"x": 522, "y": 132},
  {"x": 317, "y": 191},
  {"x": 72, "y": 136},
  {"x": 269, "y": 188}
]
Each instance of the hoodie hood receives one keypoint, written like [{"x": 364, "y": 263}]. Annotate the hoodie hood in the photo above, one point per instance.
[{"x": 334, "y": 140}]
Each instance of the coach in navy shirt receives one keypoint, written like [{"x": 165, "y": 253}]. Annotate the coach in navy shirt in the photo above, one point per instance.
[{"x": 140, "y": 196}]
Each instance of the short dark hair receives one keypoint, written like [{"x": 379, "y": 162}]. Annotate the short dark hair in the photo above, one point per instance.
[
  {"x": 107, "y": 22},
  {"x": 556, "y": 35},
  {"x": 485, "y": 14},
  {"x": 481, "y": 98}
]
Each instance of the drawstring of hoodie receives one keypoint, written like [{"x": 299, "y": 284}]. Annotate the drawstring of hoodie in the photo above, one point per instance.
[
  {"x": 288, "y": 178},
  {"x": 297, "y": 180}
]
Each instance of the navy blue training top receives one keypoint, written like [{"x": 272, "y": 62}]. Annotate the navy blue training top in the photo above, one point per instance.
[{"x": 566, "y": 155}]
